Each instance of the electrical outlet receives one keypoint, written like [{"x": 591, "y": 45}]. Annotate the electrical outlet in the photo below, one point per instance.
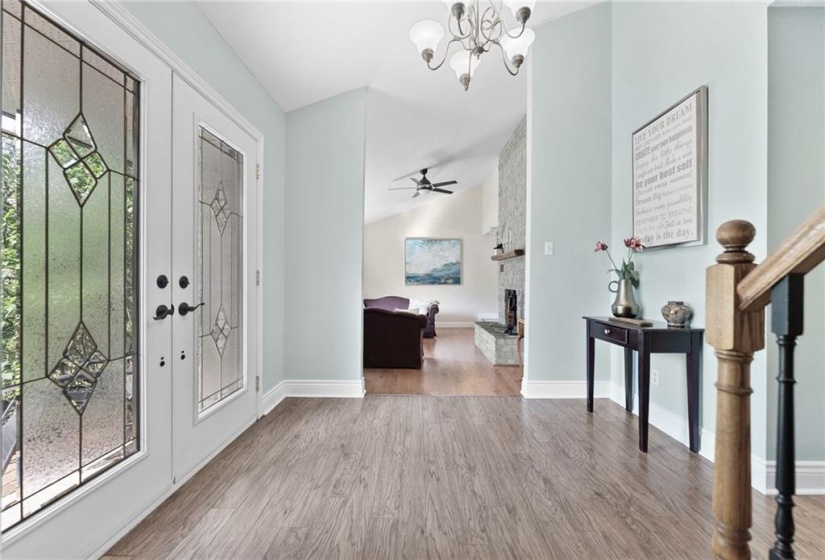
[
  {"x": 548, "y": 247},
  {"x": 654, "y": 376}
]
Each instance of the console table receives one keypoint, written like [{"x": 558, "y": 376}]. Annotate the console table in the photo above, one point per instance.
[{"x": 658, "y": 338}]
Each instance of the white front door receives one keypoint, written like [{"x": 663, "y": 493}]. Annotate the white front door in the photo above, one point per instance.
[
  {"x": 214, "y": 279},
  {"x": 87, "y": 371}
]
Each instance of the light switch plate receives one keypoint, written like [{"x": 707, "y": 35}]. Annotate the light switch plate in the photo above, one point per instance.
[{"x": 548, "y": 247}]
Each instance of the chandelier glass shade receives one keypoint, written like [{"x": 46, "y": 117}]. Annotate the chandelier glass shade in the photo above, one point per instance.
[{"x": 476, "y": 26}]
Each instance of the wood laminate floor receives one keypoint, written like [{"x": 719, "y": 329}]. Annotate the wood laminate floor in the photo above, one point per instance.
[
  {"x": 461, "y": 477},
  {"x": 452, "y": 366}
]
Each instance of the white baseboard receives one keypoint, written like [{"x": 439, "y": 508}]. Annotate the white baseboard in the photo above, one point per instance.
[
  {"x": 759, "y": 474},
  {"x": 455, "y": 325},
  {"x": 273, "y": 397},
  {"x": 810, "y": 478},
  {"x": 562, "y": 389},
  {"x": 810, "y": 475},
  {"x": 671, "y": 424},
  {"x": 708, "y": 450},
  {"x": 489, "y": 317},
  {"x": 312, "y": 388}
]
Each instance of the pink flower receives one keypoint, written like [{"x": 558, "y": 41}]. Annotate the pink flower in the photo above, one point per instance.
[
  {"x": 600, "y": 246},
  {"x": 634, "y": 243}
]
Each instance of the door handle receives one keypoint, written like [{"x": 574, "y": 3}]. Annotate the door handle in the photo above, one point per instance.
[
  {"x": 162, "y": 312},
  {"x": 184, "y": 308}
]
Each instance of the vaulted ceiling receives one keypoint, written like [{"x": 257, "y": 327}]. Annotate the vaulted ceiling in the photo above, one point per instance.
[{"x": 304, "y": 52}]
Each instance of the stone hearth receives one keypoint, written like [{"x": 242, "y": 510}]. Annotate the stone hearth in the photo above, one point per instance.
[{"x": 499, "y": 348}]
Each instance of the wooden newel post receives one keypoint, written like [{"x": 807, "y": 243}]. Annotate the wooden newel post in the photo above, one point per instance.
[{"x": 735, "y": 335}]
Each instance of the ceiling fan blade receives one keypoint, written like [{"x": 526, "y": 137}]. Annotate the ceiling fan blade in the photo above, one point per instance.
[
  {"x": 445, "y": 183},
  {"x": 401, "y": 188},
  {"x": 416, "y": 181},
  {"x": 443, "y": 191},
  {"x": 416, "y": 194}
]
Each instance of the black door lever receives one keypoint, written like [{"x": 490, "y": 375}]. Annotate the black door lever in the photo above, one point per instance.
[
  {"x": 162, "y": 312},
  {"x": 185, "y": 308}
]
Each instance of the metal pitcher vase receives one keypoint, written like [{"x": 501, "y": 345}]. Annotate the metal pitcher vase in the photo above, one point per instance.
[{"x": 625, "y": 304}]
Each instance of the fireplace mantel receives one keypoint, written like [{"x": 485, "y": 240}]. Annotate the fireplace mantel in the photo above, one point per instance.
[{"x": 508, "y": 255}]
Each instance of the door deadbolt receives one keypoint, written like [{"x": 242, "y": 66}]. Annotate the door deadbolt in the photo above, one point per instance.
[{"x": 183, "y": 282}]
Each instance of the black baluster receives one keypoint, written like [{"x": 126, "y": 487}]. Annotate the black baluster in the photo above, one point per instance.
[{"x": 787, "y": 299}]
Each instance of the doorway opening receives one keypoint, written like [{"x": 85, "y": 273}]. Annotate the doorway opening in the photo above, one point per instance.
[{"x": 444, "y": 272}]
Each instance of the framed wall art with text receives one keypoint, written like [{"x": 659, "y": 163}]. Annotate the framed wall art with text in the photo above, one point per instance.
[{"x": 670, "y": 163}]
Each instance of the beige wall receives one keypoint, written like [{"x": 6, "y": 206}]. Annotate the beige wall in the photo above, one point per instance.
[
  {"x": 451, "y": 216},
  {"x": 489, "y": 201}
]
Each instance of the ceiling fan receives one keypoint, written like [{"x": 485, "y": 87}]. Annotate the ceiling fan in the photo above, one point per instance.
[{"x": 424, "y": 184}]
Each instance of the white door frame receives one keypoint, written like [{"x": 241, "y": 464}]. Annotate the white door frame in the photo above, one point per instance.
[{"x": 136, "y": 30}]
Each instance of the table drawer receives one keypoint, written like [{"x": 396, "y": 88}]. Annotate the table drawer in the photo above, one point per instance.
[{"x": 610, "y": 333}]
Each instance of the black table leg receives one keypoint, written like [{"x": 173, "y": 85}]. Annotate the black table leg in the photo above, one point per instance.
[
  {"x": 628, "y": 379},
  {"x": 591, "y": 351},
  {"x": 644, "y": 394},
  {"x": 694, "y": 379}
]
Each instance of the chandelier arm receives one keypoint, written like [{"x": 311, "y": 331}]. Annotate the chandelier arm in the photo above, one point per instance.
[
  {"x": 490, "y": 26},
  {"x": 471, "y": 22},
  {"x": 520, "y": 33},
  {"x": 487, "y": 22},
  {"x": 446, "y": 52},
  {"x": 506, "y": 62},
  {"x": 460, "y": 34}
]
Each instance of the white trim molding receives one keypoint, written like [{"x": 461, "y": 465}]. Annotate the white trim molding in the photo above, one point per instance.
[
  {"x": 810, "y": 478},
  {"x": 810, "y": 475},
  {"x": 273, "y": 398},
  {"x": 312, "y": 388},
  {"x": 562, "y": 389},
  {"x": 673, "y": 425},
  {"x": 454, "y": 325}
]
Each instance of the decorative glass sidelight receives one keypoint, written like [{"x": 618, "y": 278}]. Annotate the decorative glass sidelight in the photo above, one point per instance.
[
  {"x": 220, "y": 269},
  {"x": 69, "y": 263}
]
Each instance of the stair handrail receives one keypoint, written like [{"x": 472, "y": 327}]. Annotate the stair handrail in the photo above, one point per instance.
[
  {"x": 737, "y": 293},
  {"x": 801, "y": 252}
]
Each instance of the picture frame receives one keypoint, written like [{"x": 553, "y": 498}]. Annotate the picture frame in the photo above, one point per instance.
[
  {"x": 433, "y": 261},
  {"x": 669, "y": 175}
]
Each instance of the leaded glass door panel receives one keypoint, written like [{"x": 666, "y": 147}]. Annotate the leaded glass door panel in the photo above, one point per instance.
[
  {"x": 214, "y": 248},
  {"x": 83, "y": 180}
]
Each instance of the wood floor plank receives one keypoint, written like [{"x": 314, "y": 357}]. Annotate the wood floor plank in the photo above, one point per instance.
[
  {"x": 451, "y": 477},
  {"x": 452, "y": 366},
  {"x": 198, "y": 543}
]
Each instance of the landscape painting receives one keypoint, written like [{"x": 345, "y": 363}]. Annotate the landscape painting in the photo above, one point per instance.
[{"x": 430, "y": 262}]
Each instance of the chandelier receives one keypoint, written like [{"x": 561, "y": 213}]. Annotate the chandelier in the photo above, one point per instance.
[{"x": 477, "y": 29}]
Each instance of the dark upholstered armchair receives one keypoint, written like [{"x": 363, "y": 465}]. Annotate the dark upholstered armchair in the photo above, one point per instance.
[
  {"x": 393, "y": 339},
  {"x": 394, "y": 302}
]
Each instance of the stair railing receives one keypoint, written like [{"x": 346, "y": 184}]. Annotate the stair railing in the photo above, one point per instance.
[{"x": 737, "y": 293}]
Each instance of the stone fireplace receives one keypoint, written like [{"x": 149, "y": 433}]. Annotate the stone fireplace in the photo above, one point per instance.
[
  {"x": 498, "y": 340},
  {"x": 512, "y": 217}
]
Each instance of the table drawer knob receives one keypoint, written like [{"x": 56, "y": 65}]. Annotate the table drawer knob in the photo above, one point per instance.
[{"x": 606, "y": 331}]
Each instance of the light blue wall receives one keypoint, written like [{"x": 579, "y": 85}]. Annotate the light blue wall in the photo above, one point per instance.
[
  {"x": 796, "y": 186},
  {"x": 187, "y": 32},
  {"x": 662, "y": 52},
  {"x": 324, "y": 233},
  {"x": 596, "y": 76},
  {"x": 568, "y": 200}
]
